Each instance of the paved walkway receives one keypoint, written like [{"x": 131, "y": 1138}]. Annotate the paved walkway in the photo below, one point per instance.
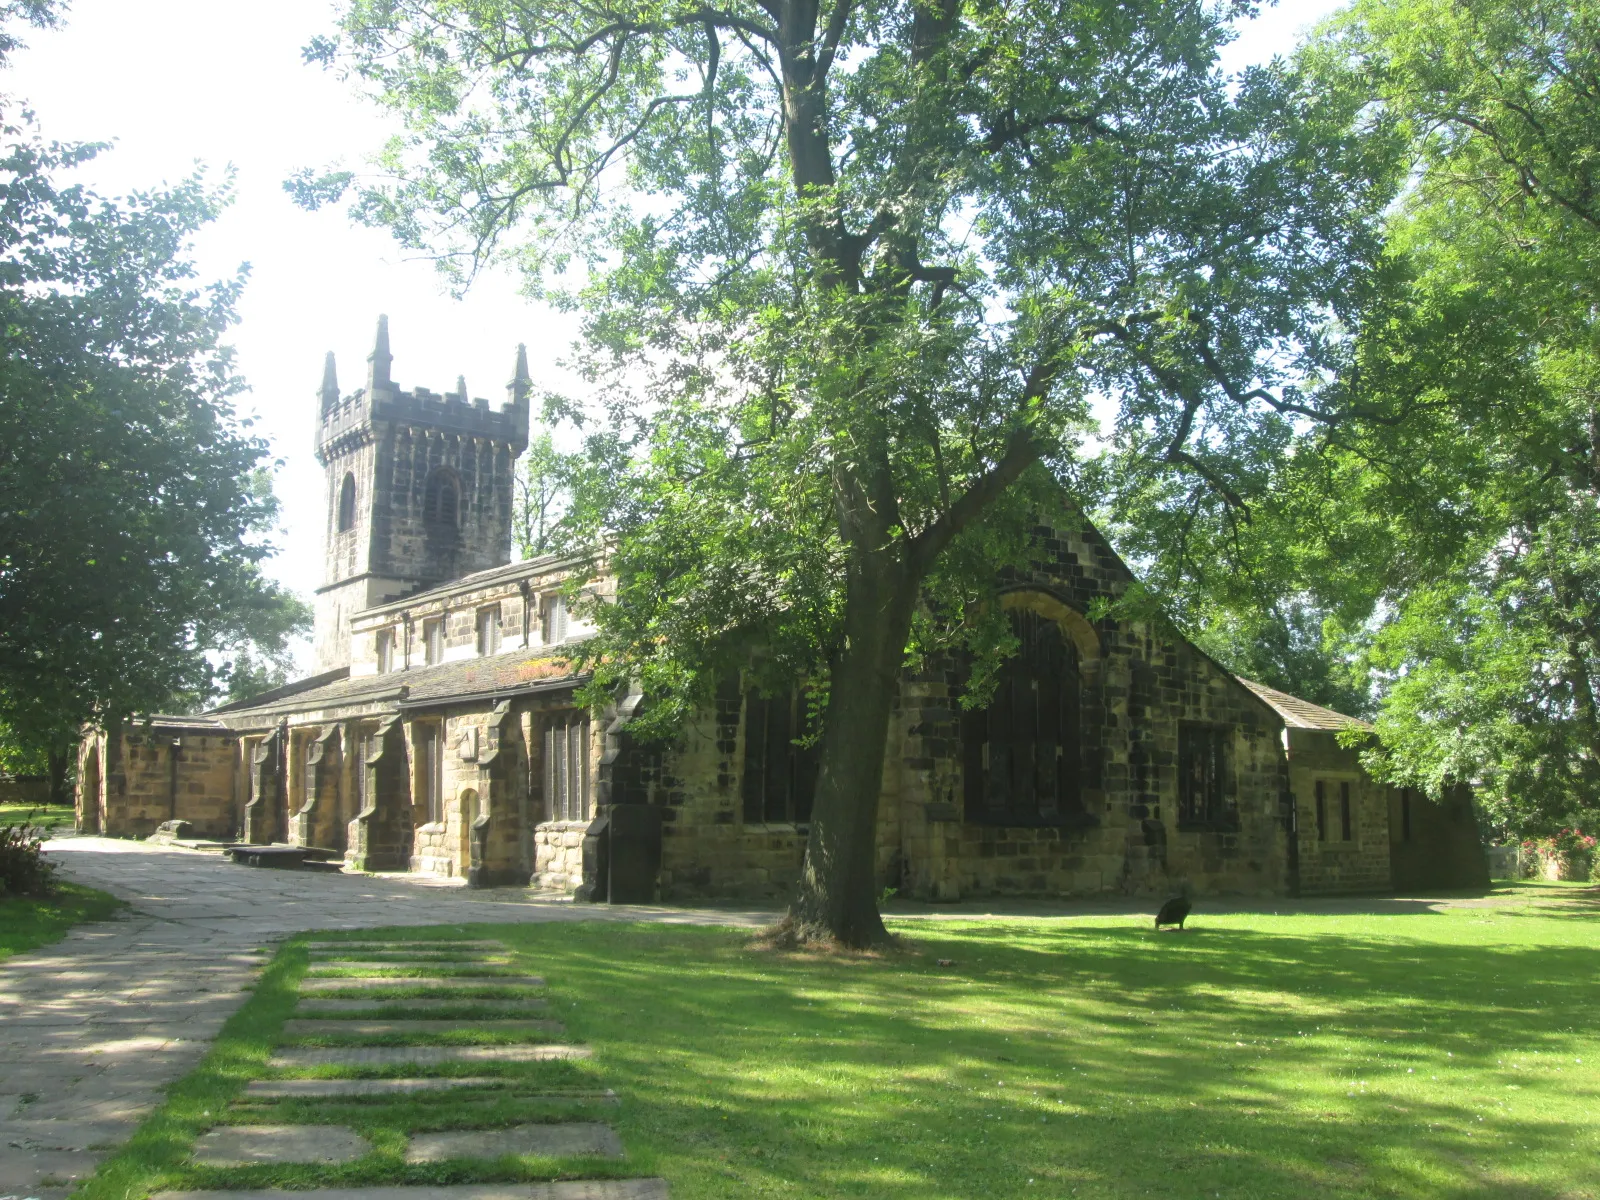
[{"x": 94, "y": 1027}]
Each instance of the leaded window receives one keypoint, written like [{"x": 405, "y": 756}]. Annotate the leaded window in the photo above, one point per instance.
[
  {"x": 1021, "y": 756},
  {"x": 780, "y": 769},
  {"x": 1203, "y": 778},
  {"x": 430, "y": 769},
  {"x": 566, "y": 767}
]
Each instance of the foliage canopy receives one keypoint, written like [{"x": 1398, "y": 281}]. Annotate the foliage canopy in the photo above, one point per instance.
[{"x": 851, "y": 276}]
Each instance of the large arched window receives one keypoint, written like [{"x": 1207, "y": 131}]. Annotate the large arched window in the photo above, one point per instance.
[
  {"x": 347, "y": 503},
  {"x": 441, "y": 501},
  {"x": 1020, "y": 756}
]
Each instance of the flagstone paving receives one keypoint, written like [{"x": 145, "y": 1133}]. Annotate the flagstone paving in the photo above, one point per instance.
[
  {"x": 432, "y": 967},
  {"x": 563, "y": 1140},
  {"x": 569, "y": 1138},
  {"x": 329, "y": 1089},
  {"x": 242, "y": 1145},
  {"x": 94, "y": 1027},
  {"x": 336, "y": 983},
  {"x": 575, "y": 1189},
  {"x": 300, "y": 1027},
  {"x": 301, "y": 1058},
  {"x": 489, "y": 1009}
]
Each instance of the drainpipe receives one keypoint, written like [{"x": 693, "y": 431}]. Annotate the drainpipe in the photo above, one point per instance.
[{"x": 172, "y": 782}]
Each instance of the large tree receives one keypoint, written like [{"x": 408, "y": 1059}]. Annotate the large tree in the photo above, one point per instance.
[
  {"x": 1455, "y": 555},
  {"x": 851, "y": 274},
  {"x": 133, "y": 502}
]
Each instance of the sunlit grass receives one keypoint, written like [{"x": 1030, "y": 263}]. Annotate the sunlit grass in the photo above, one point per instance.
[
  {"x": 1424, "y": 1054},
  {"x": 47, "y": 817}
]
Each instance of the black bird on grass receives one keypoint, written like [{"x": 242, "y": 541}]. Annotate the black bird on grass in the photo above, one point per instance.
[{"x": 1173, "y": 912}]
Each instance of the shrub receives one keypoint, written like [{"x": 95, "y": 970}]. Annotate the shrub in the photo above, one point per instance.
[
  {"x": 1567, "y": 855},
  {"x": 24, "y": 870}
]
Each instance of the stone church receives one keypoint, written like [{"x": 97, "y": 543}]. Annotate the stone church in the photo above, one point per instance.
[{"x": 441, "y": 735}]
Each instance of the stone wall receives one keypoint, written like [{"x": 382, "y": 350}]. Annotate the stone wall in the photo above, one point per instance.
[
  {"x": 24, "y": 789},
  {"x": 558, "y": 856},
  {"x": 1329, "y": 862},
  {"x": 159, "y": 774},
  {"x": 1442, "y": 848},
  {"x": 1138, "y": 688}
]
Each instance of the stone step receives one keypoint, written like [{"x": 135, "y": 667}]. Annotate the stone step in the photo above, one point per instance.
[
  {"x": 497, "y": 1010},
  {"x": 295, "y": 1058},
  {"x": 555, "y": 1140},
  {"x": 570, "y": 1189},
  {"x": 322, "y": 1089},
  {"x": 243, "y": 1145},
  {"x": 304, "y": 1028},
  {"x": 335, "y": 983}
]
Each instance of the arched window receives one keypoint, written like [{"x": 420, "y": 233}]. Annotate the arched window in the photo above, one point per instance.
[
  {"x": 1020, "y": 756},
  {"x": 347, "y": 503},
  {"x": 441, "y": 502}
]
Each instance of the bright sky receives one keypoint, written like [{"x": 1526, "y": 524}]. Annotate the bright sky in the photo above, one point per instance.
[{"x": 179, "y": 82}]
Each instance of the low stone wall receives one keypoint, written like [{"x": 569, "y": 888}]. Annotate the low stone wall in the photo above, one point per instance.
[
  {"x": 558, "y": 856},
  {"x": 31, "y": 790}
]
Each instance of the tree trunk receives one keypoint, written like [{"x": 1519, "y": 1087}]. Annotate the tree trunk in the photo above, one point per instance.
[
  {"x": 838, "y": 893},
  {"x": 59, "y": 765}
]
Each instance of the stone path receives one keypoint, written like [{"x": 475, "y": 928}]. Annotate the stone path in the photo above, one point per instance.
[
  {"x": 261, "y": 1141},
  {"x": 93, "y": 1028}
]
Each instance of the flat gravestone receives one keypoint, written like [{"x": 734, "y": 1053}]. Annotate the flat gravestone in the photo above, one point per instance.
[
  {"x": 572, "y": 1189},
  {"x": 294, "y": 1058},
  {"x": 317, "y": 1089},
  {"x": 453, "y": 968},
  {"x": 405, "y": 959},
  {"x": 492, "y": 1009},
  {"x": 302, "y": 1028},
  {"x": 552, "y": 1141},
  {"x": 323, "y": 1089},
  {"x": 334, "y": 983},
  {"x": 242, "y": 1145},
  {"x": 388, "y": 948}
]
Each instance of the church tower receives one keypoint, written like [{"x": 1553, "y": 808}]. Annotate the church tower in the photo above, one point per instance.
[{"x": 419, "y": 489}]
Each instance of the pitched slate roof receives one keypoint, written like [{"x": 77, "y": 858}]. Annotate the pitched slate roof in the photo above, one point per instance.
[
  {"x": 1301, "y": 714},
  {"x": 514, "y": 673}
]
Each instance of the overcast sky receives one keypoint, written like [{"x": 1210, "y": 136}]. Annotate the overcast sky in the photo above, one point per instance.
[{"x": 179, "y": 82}]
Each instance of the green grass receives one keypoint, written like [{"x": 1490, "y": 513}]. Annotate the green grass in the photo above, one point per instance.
[
  {"x": 28, "y": 922},
  {"x": 50, "y": 817},
  {"x": 1431, "y": 1054}
]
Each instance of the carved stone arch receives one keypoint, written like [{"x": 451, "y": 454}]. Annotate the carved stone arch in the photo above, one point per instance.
[{"x": 1073, "y": 623}]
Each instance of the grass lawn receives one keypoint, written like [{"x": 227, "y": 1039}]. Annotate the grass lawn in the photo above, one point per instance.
[
  {"x": 27, "y": 922},
  {"x": 1430, "y": 1054},
  {"x": 49, "y": 817}
]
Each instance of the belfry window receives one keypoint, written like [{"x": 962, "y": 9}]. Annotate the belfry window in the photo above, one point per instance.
[
  {"x": 780, "y": 775},
  {"x": 1020, "y": 756},
  {"x": 441, "y": 504},
  {"x": 347, "y": 503}
]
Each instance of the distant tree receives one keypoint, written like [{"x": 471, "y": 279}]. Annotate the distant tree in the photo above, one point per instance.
[
  {"x": 543, "y": 493},
  {"x": 1454, "y": 555},
  {"x": 133, "y": 502},
  {"x": 850, "y": 274},
  {"x": 42, "y": 14}
]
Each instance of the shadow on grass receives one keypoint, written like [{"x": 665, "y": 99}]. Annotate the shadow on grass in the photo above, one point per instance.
[{"x": 1091, "y": 1057}]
